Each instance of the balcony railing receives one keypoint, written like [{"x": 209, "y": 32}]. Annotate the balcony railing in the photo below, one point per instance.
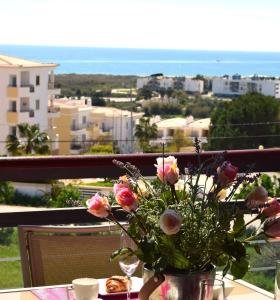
[{"x": 71, "y": 167}]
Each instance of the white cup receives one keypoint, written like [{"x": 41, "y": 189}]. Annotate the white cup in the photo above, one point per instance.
[{"x": 86, "y": 288}]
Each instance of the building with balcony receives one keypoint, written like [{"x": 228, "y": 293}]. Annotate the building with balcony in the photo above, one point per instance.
[
  {"x": 188, "y": 84},
  {"x": 237, "y": 85},
  {"x": 187, "y": 127},
  {"x": 80, "y": 125},
  {"x": 26, "y": 87}
]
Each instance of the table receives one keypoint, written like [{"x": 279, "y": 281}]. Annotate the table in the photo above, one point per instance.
[{"x": 241, "y": 291}]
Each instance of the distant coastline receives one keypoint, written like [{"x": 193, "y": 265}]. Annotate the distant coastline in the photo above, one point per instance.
[{"x": 142, "y": 62}]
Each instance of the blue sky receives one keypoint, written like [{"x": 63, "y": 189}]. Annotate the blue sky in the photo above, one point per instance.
[{"x": 179, "y": 24}]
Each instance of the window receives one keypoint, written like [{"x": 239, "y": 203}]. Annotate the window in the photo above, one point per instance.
[
  {"x": 37, "y": 80},
  {"x": 13, "y": 80},
  {"x": 84, "y": 119},
  {"x": 12, "y": 106},
  {"x": 13, "y": 130},
  {"x": 37, "y": 104}
]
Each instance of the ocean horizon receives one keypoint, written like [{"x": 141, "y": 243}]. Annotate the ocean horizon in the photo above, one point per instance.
[{"x": 143, "y": 62}]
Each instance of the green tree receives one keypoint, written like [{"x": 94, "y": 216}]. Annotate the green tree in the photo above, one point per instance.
[
  {"x": 144, "y": 132},
  {"x": 32, "y": 141},
  {"x": 6, "y": 192},
  {"x": 246, "y": 122},
  {"x": 146, "y": 92}
]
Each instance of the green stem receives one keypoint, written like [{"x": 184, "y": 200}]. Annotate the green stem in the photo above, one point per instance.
[
  {"x": 251, "y": 238},
  {"x": 123, "y": 228},
  {"x": 174, "y": 194}
]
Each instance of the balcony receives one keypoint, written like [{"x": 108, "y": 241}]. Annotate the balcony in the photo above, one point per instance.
[
  {"x": 12, "y": 117},
  {"x": 12, "y": 92},
  {"x": 26, "y": 90},
  {"x": 76, "y": 167},
  {"x": 78, "y": 129}
]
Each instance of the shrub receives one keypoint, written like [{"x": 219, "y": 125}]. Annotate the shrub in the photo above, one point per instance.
[
  {"x": 27, "y": 200},
  {"x": 6, "y": 236},
  {"x": 6, "y": 192},
  {"x": 63, "y": 196}
]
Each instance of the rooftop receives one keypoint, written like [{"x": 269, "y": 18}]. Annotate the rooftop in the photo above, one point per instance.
[{"x": 15, "y": 62}]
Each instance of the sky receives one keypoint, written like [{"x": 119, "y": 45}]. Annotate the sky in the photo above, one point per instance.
[{"x": 245, "y": 25}]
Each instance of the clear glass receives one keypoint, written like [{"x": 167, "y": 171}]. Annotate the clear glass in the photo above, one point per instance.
[
  {"x": 212, "y": 289},
  {"x": 128, "y": 262},
  {"x": 277, "y": 281}
]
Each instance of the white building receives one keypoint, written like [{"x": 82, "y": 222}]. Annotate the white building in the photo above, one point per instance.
[
  {"x": 188, "y": 83},
  {"x": 80, "y": 125},
  {"x": 120, "y": 124},
  {"x": 25, "y": 88},
  {"x": 193, "y": 85},
  {"x": 187, "y": 126},
  {"x": 237, "y": 85}
]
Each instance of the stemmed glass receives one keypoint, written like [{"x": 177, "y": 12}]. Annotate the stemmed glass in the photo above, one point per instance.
[
  {"x": 212, "y": 289},
  {"x": 128, "y": 262}
]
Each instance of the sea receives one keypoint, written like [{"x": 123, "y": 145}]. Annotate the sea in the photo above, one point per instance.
[{"x": 143, "y": 62}]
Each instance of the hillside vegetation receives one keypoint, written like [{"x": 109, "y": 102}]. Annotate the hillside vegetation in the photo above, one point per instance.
[{"x": 85, "y": 85}]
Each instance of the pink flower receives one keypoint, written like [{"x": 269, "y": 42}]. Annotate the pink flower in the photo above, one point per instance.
[
  {"x": 167, "y": 170},
  {"x": 123, "y": 183},
  {"x": 272, "y": 209},
  {"x": 226, "y": 173},
  {"x": 272, "y": 227},
  {"x": 127, "y": 199},
  {"x": 170, "y": 222},
  {"x": 98, "y": 206},
  {"x": 257, "y": 197}
]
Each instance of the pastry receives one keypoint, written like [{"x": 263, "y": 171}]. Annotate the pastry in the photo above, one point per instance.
[{"x": 116, "y": 284}]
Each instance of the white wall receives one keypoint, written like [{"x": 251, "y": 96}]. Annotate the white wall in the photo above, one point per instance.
[{"x": 40, "y": 92}]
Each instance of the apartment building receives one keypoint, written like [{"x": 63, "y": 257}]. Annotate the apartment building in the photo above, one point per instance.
[
  {"x": 188, "y": 127},
  {"x": 26, "y": 87},
  {"x": 187, "y": 84},
  {"x": 81, "y": 125},
  {"x": 237, "y": 85}
]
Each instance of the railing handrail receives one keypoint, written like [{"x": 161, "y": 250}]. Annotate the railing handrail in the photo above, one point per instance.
[{"x": 90, "y": 166}]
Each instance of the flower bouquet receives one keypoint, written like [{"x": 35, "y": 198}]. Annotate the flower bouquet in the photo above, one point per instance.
[{"x": 188, "y": 222}]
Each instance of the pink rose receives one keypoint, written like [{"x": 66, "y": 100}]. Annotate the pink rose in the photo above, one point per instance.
[
  {"x": 123, "y": 183},
  {"x": 272, "y": 227},
  {"x": 127, "y": 199},
  {"x": 272, "y": 209},
  {"x": 226, "y": 173},
  {"x": 98, "y": 206},
  {"x": 167, "y": 170},
  {"x": 170, "y": 222},
  {"x": 257, "y": 197}
]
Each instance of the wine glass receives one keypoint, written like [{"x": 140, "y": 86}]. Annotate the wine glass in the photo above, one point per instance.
[
  {"x": 128, "y": 262},
  {"x": 212, "y": 289}
]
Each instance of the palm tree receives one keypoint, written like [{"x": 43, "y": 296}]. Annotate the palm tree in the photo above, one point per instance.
[
  {"x": 33, "y": 141},
  {"x": 13, "y": 145},
  {"x": 144, "y": 132}
]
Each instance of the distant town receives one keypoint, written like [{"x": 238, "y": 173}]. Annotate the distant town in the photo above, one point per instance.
[{"x": 151, "y": 111}]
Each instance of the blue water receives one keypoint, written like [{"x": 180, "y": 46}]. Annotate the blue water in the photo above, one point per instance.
[{"x": 118, "y": 61}]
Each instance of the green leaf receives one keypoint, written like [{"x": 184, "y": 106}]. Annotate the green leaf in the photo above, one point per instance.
[
  {"x": 178, "y": 260},
  {"x": 238, "y": 227},
  {"x": 226, "y": 268},
  {"x": 257, "y": 248},
  {"x": 119, "y": 252},
  {"x": 239, "y": 268},
  {"x": 221, "y": 260},
  {"x": 235, "y": 249}
]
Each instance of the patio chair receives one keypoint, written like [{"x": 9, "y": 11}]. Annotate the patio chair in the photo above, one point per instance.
[{"x": 56, "y": 255}]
